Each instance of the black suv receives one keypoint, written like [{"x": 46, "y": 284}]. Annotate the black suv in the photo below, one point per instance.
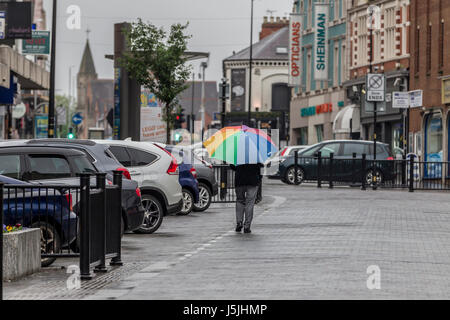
[
  {"x": 59, "y": 165},
  {"x": 342, "y": 150}
]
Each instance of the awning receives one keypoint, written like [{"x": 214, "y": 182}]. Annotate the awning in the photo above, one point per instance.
[{"x": 347, "y": 120}]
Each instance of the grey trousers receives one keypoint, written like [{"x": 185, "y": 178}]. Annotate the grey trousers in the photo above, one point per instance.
[{"x": 245, "y": 202}]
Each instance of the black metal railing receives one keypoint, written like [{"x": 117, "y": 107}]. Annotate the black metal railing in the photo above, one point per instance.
[
  {"x": 76, "y": 221},
  {"x": 225, "y": 177},
  {"x": 402, "y": 174}
]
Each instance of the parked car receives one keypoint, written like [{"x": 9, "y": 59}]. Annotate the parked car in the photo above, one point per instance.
[
  {"x": 208, "y": 187},
  {"x": 188, "y": 178},
  {"x": 342, "y": 149},
  {"x": 156, "y": 171},
  {"x": 271, "y": 164},
  {"x": 60, "y": 165},
  {"x": 48, "y": 210}
]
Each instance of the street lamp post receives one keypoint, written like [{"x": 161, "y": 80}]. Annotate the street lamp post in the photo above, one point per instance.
[
  {"x": 374, "y": 171},
  {"x": 51, "y": 107},
  {"x": 251, "y": 65}
]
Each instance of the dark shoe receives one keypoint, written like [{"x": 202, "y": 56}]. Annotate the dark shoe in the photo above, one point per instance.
[
  {"x": 238, "y": 227},
  {"x": 247, "y": 230}
]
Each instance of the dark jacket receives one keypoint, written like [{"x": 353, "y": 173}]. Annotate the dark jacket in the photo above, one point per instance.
[{"x": 247, "y": 174}]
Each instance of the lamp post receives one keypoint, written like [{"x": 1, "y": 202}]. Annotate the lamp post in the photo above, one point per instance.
[
  {"x": 251, "y": 65},
  {"x": 51, "y": 109},
  {"x": 203, "y": 65}
]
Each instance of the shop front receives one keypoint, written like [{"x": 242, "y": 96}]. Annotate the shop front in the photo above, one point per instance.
[
  {"x": 312, "y": 118},
  {"x": 390, "y": 124}
]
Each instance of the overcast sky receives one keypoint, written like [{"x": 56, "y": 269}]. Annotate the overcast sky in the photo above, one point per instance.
[{"x": 216, "y": 26}]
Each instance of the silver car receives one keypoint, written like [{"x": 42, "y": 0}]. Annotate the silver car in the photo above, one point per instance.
[{"x": 156, "y": 172}]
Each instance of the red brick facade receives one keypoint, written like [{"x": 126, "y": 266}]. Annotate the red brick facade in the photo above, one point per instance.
[{"x": 430, "y": 63}]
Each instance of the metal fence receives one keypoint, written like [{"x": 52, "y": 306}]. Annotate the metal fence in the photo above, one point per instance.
[
  {"x": 360, "y": 171},
  {"x": 76, "y": 221},
  {"x": 225, "y": 177}
]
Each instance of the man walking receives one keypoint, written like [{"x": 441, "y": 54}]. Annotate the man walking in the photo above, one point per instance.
[{"x": 247, "y": 180}]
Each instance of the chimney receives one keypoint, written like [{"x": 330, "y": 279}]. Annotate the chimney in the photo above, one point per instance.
[{"x": 271, "y": 25}]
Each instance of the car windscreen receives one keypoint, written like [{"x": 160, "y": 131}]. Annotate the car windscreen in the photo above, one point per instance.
[{"x": 82, "y": 165}]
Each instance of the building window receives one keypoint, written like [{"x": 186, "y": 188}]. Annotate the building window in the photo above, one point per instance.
[
  {"x": 302, "y": 139},
  {"x": 308, "y": 70},
  {"x": 336, "y": 9},
  {"x": 389, "y": 33},
  {"x": 433, "y": 145},
  {"x": 310, "y": 14},
  {"x": 441, "y": 45},
  {"x": 362, "y": 41},
  {"x": 417, "y": 51},
  {"x": 343, "y": 62},
  {"x": 319, "y": 132},
  {"x": 428, "y": 49},
  {"x": 336, "y": 66},
  {"x": 376, "y": 46}
]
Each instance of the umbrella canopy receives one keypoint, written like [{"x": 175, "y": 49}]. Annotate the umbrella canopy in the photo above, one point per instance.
[{"x": 240, "y": 145}]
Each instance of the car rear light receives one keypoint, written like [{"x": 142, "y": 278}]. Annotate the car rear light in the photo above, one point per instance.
[
  {"x": 194, "y": 172},
  {"x": 390, "y": 158},
  {"x": 173, "y": 167},
  {"x": 138, "y": 192},
  {"x": 69, "y": 201},
  {"x": 125, "y": 173},
  {"x": 283, "y": 152}
]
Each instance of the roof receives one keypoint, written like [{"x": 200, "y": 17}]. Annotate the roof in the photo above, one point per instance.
[
  {"x": 87, "y": 65},
  {"x": 41, "y": 150},
  {"x": 266, "y": 49}
]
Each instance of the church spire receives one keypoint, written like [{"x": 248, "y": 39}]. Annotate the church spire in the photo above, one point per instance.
[{"x": 87, "y": 62}]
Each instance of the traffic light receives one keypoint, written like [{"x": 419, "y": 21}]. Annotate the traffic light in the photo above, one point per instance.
[
  {"x": 179, "y": 119},
  {"x": 70, "y": 135}
]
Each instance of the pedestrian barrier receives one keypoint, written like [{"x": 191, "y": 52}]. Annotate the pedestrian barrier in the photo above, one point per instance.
[
  {"x": 76, "y": 221},
  {"x": 225, "y": 177},
  {"x": 401, "y": 174}
]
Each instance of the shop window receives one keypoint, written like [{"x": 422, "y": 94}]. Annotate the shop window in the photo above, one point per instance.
[
  {"x": 433, "y": 146},
  {"x": 302, "y": 140}
]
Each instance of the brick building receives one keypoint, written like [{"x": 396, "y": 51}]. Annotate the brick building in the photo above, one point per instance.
[
  {"x": 430, "y": 71},
  {"x": 391, "y": 55}
]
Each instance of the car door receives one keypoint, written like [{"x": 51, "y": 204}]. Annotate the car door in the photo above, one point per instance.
[
  {"x": 326, "y": 150},
  {"x": 122, "y": 154},
  {"x": 47, "y": 166},
  {"x": 142, "y": 164},
  {"x": 351, "y": 170}
]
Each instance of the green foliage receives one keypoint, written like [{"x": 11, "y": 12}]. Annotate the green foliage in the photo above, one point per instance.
[{"x": 156, "y": 60}]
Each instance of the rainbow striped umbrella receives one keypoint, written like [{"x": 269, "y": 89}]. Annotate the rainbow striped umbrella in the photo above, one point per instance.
[{"x": 240, "y": 145}]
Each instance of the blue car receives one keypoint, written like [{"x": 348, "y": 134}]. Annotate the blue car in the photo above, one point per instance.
[
  {"x": 187, "y": 179},
  {"x": 49, "y": 210}
]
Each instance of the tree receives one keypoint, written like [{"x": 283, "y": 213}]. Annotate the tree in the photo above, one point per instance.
[{"x": 157, "y": 61}]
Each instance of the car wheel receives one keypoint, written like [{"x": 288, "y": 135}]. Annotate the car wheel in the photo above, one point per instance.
[
  {"x": 290, "y": 175},
  {"x": 369, "y": 177},
  {"x": 205, "y": 197},
  {"x": 50, "y": 241},
  {"x": 153, "y": 216},
  {"x": 188, "y": 203}
]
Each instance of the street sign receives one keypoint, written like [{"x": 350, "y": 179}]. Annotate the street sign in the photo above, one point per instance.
[
  {"x": 375, "y": 84},
  {"x": 2, "y": 24},
  {"x": 39, "y": 44},
  {"x": 19, "y": 111},
  {"x": 400, "y": 100},
  {"x": 77, "y": 119},
  {"x": 61, "y": 118},
  {"x": 416, "y": 98}
]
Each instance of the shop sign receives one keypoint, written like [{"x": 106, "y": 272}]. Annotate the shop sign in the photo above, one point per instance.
[
  {"x": 117, "y": 84},
  {"x": 416, "y": 98},
  {"x": 295, "y": 50},
  {"x": 41, "y": 127},
  {"x": 312, "y": 111},
  {"x": 321, "y": 42},
  {"x": 400, "y": 100},
  {"x": 2, "y": 24},
  {"x": 39, "y": 44},
  {"x": 446, "y": 91}
]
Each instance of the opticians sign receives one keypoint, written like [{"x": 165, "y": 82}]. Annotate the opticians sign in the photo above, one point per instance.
[
  {"x": 321, "y": 42},
  {"x": 295, "y": 50},
  {"x": 446, "y": 91}
]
